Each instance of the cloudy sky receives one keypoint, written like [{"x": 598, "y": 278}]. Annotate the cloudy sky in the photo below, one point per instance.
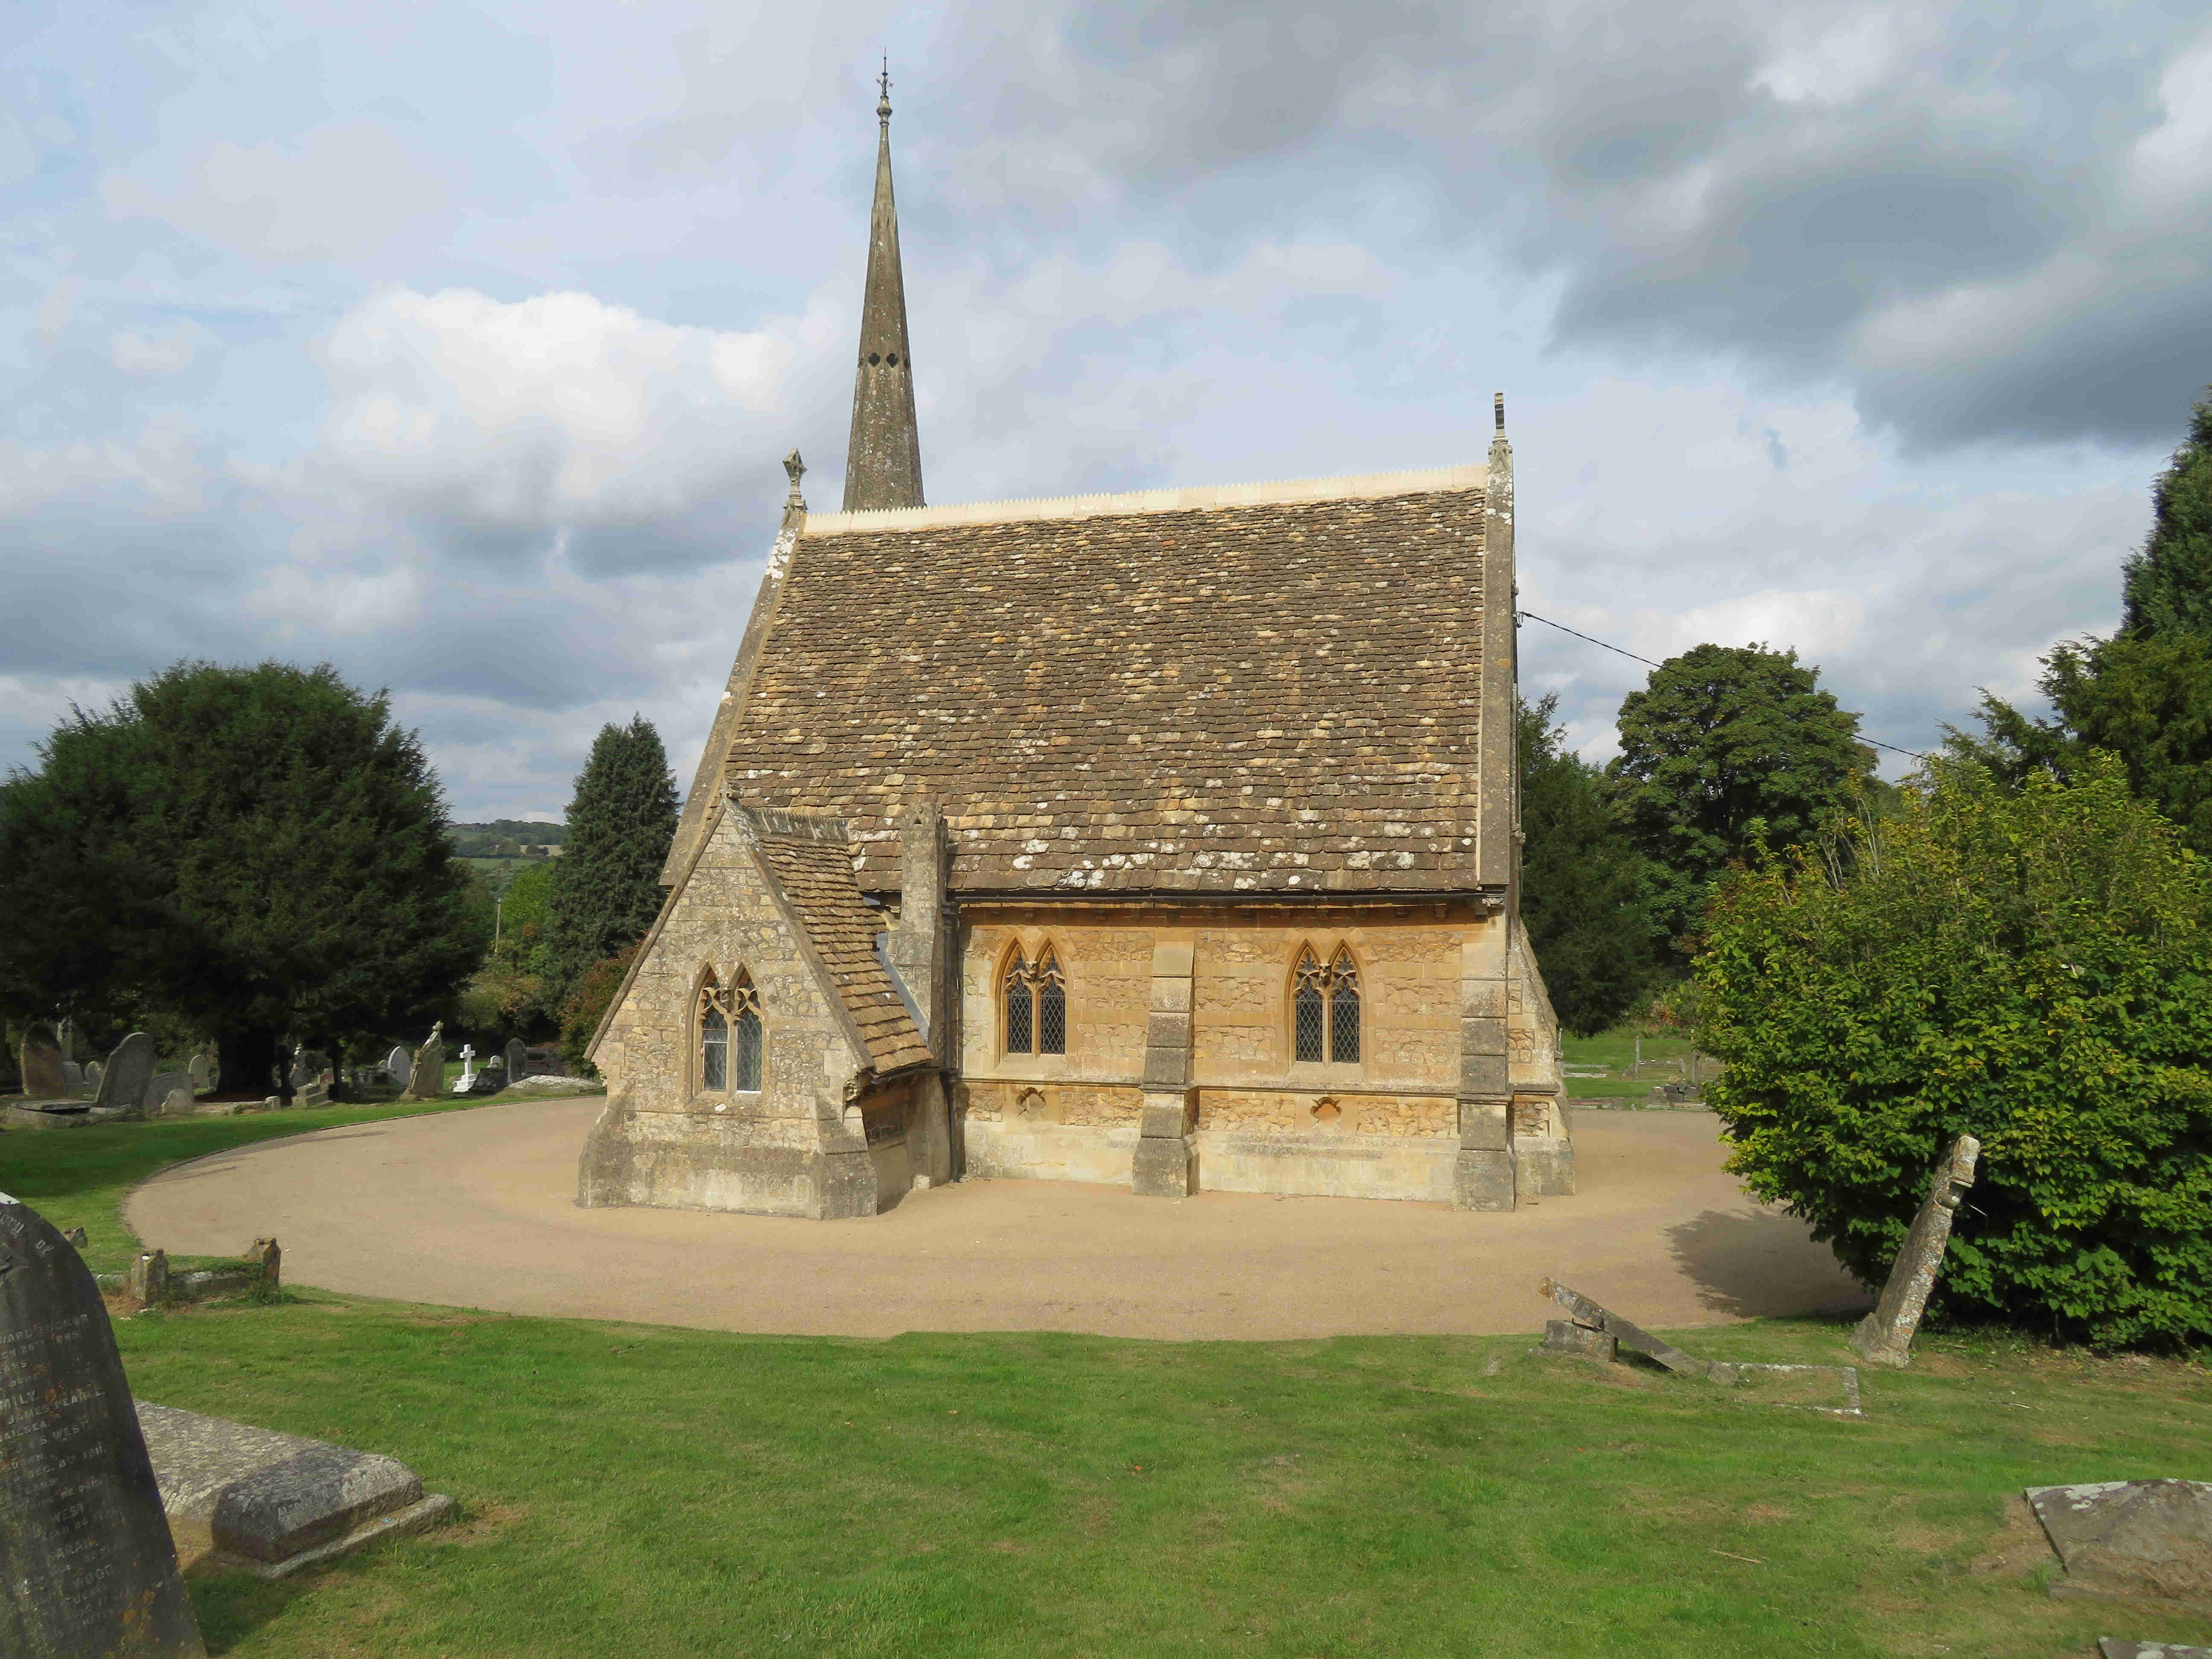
[{"x": 457, "y": 345}]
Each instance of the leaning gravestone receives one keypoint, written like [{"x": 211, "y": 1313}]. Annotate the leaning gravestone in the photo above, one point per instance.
[
  {"x": 130, "y": 1070},
  {"x": 401, "y": 1064},
  {"x": 517, "y": 1061},
  {"x": 1884, "y": 1337},
  {"x": 426, "y": 1072},
  {"x": 41, "y": 1056},
  {"x": 87, "y": 1570}
]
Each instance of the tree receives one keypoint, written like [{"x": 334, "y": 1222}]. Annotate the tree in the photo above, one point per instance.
[
  {"x": 588, "y": 1004},
  {"x": 1581, "y": 882},
  {"x": 622, "y": 822},
  {"x": 2029, "y": 966},
  {"x": 1726, "y": 751},
  {"x": 2146, "y": 694},
  {"x": 510, "y": 990},
  {"x": 258, "y": 850},
  {"x": 2167, "y": 588}
]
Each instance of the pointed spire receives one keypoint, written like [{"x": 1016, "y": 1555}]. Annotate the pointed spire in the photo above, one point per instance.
[{"x": 882, "y": 466}]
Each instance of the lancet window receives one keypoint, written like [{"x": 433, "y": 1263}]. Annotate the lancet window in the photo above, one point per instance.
[
  {"x": 729, "y": 1035},
  {"x": 1325, "y": 1008},
  {"x": 1035, "y": 995}
]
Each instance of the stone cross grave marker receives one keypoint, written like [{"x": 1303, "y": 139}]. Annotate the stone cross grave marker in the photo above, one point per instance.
[
  {"x": 42, "y": 1059},
  {"x": 1885, "y": 1336},
  {"x": 467, "y": 1079},
  {"x": 87, "y": 1570},
  {"x": 130, "y": 1069}
]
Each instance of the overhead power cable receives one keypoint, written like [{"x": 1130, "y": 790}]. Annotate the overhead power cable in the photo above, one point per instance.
[{"x": 1530, "y": 616}]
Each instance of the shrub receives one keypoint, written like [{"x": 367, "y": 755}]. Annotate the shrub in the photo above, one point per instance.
[
  {"x": 2031, "y": 968},
  {"x": 588, "y": 1006}
]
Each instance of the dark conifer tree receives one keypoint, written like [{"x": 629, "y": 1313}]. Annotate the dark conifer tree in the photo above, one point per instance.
[
  {"x": 1581, "y": 882},
  {"x": 2145, "y": 693},
  {"x": 259, "y": 851},
  {"x": 606, "y": 886}
]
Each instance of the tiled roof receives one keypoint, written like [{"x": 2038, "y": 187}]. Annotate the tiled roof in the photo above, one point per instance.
[
  {"x": 816, "y": 874},
  {"x": 1245, "y": 694}
]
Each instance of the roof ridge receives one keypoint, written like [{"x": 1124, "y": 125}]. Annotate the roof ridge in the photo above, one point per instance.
[{"x": 1362, "y": 486}]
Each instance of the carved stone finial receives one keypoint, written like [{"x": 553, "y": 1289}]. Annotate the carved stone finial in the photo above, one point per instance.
[
  {"x": 1498, "y": 401},
  {"x": 794, "y": 469},
  {"x": 883, "y": 90}
]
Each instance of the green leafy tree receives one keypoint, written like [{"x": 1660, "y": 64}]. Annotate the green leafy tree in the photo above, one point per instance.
[
  {"x": 588, "y": 1003},
  {"x": 1581, "y": 882},
  {"x": 2030, "y": 966},
  {"x": 259, "y": 851},
  {"x": 622, "y": 822},
  {"x": 2146, "y": 694},
  {"x": 1726, "y": 751},
  {"x": 509, "y": 991}
]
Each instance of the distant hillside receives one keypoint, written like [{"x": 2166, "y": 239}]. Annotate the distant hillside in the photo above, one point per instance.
[{"x": 507, "y": 838}]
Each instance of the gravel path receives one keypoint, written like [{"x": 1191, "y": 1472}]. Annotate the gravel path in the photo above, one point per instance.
[{"x": 475, "y": 1209}]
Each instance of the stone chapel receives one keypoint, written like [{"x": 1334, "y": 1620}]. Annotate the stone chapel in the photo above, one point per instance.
[{"x": 1166, "y": 839}]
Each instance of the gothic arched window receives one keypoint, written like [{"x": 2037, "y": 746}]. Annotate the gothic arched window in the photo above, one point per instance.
[
  {"x": 745, "y": 1021},
  {"x": 1035, "y": 1005},
  {"x": 1325, "y": 1009},
  {"x": 729, "y": 1019},
  {"x": 713, "y": 1036}
]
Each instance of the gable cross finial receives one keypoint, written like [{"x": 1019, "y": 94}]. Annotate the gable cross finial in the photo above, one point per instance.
[
  {"x": 795, "y": 470},
  {"x": 883, "y": 90}
]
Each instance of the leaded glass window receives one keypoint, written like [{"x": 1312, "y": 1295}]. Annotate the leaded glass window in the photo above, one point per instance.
[
  {"x": 729, "y": 1018},
  {"x": 745, "y": 1002},
  {"x": 713, "y": 1036},
  {"x": 1052, "y": 1007},
  {"x": 1021, "y": 1026},
  {"x": 1325, "y": 1010},
  {"x": 1309, "y": 1004},
  {"x": 1344, "y": 1010},
  {"x": 1037, "y": 1004}
]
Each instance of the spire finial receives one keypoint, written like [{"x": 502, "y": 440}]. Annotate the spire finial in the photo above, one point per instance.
[
  {"x": 795, "y": 470},
  {"x": 1499, "y": 399},
  {"x": 883, "y": 90}
]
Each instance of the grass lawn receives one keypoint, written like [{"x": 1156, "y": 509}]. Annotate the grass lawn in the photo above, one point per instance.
[
  {"x": 636, "y": 1492},
  {"x": 633, "y": 1492},
  {"x": 77, "y": 1177}
]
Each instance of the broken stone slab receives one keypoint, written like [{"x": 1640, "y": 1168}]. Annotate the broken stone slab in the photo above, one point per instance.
[
  {"x": 1592, "y": 1316},
  {"x": 1773, "y": 1380},
  {"x": 2112, "y": 1648},
  {"x": 559, "y": 1085},
  {"x": 2130, "y": 1537},
  {"x": 1564, "y": 1336},
  {"x": 274, "y": 1502},
  {"x": 1885, "y": 1336},
  {"x": 49, "y": 1114}
]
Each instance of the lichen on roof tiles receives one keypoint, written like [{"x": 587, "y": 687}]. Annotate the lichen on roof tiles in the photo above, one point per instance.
[{"x": 1279, "y": 695}]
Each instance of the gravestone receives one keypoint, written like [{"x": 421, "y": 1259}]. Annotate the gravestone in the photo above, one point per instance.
[
  {"x": 467, "y": 1083},
  {"x": 94, "y": 1073},
  {"x": 400, "y": 1064},
  {"x": 130, "y": 1069},
  {"x": 202, "y": 1067},
  {"x": 2136, "y": 1537},
  {"x": 1884, "y": 1337},
  {"x": 73, "y": 1074},
  {"x": 87, "y": 1570},
  {"x": 162, "y": 1092},
  {"x": 517, "y": 1061},
  {"x": 426, "y": 1071},
  {"x": 65, "y": 1035},
  {"x": 41, "y": 1058}
]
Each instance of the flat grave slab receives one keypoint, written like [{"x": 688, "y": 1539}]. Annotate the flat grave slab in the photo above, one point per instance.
[
  {"x": 2112, "y": 1648},
  {"x": 275, "y": 1503},
  {"x": 2130, "y": 1537}
]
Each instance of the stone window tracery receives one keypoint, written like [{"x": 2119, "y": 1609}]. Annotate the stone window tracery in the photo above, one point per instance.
[
  {"x": 1035, "y": 1005},
  {"x": 730, "y": 1046},
  {"x": 1325, "y": 1009}
]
